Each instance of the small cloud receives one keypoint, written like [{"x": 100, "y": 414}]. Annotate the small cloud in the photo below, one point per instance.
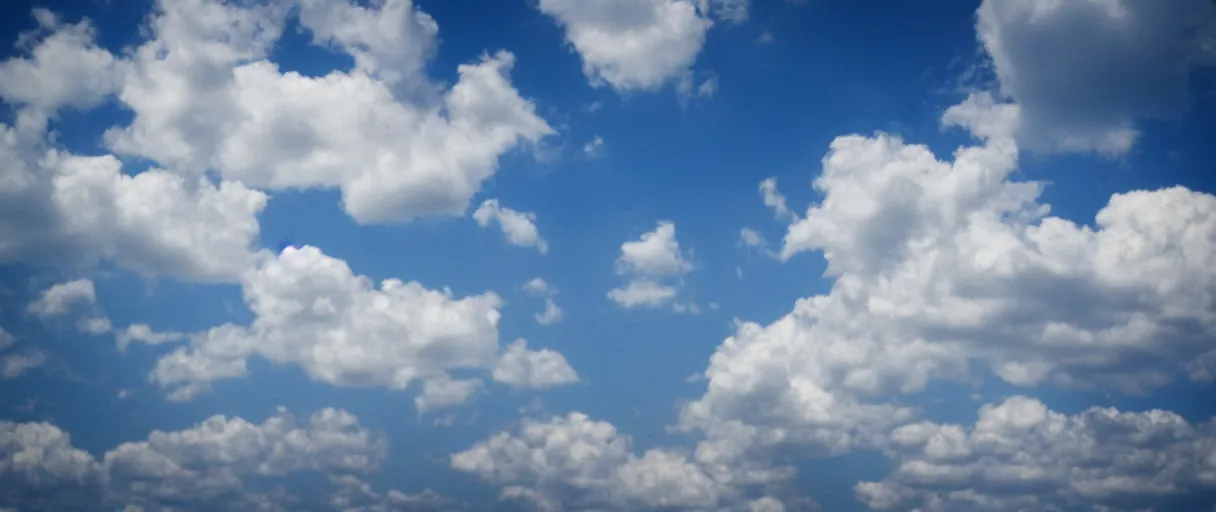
[
  {"x": 765, "y": 38},
  {"x": 594, "y": 148},
  {"x": 125, "y": 393}
]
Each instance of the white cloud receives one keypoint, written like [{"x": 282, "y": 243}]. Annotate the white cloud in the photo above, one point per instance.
[
  {"x": 539, "y": 288},
  {"x": 443, "y": 391},
  {"x": 355, "y": 495},
  {"x": 773, "y": 199},
  {"x": 13, "y": 365},
  {"x": 1021, "y": 456},
  {"x": 201, "y": 467},
  {"x": 143, "y": 333},
  {"x": 649, "y": 261},
  {"x": 595, "y": 147},
  {"x": 74, "y": 211},
  {"x": 656, "y": 254},
  {"x": 65, "y": 69},
  {"x": 341, "y": 328},
  {"x": 642, "y": 293},
  {"x": 64, "y": 298},
  {"x": 551, "y": 314},
  {"x": 1083, "y": 73},
  {"x": 6, "y": 339},
  {"x": 394, "y": 157},
  {"x": 518, "y": 227},
  {"x": 939, "y": 265},
  {"x": 533, "y": 369},
  {"x": 632, "y": 45},
  {"x": 574, "y": 462}
]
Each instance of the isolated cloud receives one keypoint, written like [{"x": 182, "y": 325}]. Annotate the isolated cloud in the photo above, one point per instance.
[
  {"x": 1019, "y": 455},
  {"x": 1082, "y": 74},
  {"x": 443, "y": 391},
  {"x": 197, "y": 467},
  {"x": 518, "y": 227},
  {"x": 532, "y": 369},
  {"x": 651, "y": 263},
  {"x": 13, "y": 365},
  {"x": 62, "y": 299},
  {"x": 552, "y": 314},
  {"x": 633, "y": 45},
  {"x": 775, "y": 200}
]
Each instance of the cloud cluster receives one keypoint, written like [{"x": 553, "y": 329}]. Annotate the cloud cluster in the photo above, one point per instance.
[
  {"x": 651, "y": 263},
  {"x": 1019, "y": 455},
  {"x": 205, "y": 98},
  {"x": 575, "y": 462},
  {"x": 940, "y": 265},
  {"x": 203, "y": 466}
]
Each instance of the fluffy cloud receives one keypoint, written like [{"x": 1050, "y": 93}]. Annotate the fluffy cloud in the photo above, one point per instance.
[
  {"x": 532, "y": 369},
  {"x": 74, "y": 211},
  {"x": 395, "y": 155},
  {"x": 539, "y": 288},
  {"x": 65, "y": 69},
  {"x": 941, "y": 264},
  {"x": 355, "y": 495},
  {"x": 651, "y": 262},
  {"x": 633, "y": 45},
  {"x": 518, "y": 227},
  {"x": 1021, "y": 456},
  {"x": 574, "y": 462},
  {"x": 63, "y": 298},
  {"x": 341, "y": 328},
  {"x": 775, "y": 200},
  {"x": 198, "y": 467},
  {"x": 1083, "y": 73}
]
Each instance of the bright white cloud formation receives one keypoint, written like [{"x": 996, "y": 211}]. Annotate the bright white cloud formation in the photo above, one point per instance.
[
  {"x": 939, "y": 265},
  {"x": 1083, "y": 73},
  {"x": 342, "y": 329},
  {"x": 201, "y": 466},
  {"x": 1021, "y": 456},
  {"x": 518, "y": 227},
  {"x": 633, "y": 45},
  {"x": 651, "y": 263},
  {"x": 532, "y": 369}
]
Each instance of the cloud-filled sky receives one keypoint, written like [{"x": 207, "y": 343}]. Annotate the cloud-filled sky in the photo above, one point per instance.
[{"x": 697, "y": 255}]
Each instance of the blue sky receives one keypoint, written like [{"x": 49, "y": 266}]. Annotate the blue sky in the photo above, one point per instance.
[{"x": 792, "y": 255}]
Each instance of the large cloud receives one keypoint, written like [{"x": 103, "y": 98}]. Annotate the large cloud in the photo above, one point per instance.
[
  {"x": 205, "y": 97},
  {"x": 198, "y": 468},
  {"x": 941, "y": 264},
  {"x": 311, "y": 310},
  {"x": 1083, "y": 73},
  {"x": 1021, "y": 456}
]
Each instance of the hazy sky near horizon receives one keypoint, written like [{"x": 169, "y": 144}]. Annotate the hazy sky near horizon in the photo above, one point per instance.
[{"x": 736, "y": 255}]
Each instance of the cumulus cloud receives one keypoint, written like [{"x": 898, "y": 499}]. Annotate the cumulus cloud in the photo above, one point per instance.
[
  {"x": 939, "y": 265},
  {"x": 65, "y": 69},
  {"x": 552, "y": 314},
  {"x": 635, "y": 45},
  {"x": 518, "y": 227},
  {"x": 1080, "y": 75},
  {"x": 355, "y": 495},
  {"x": 74, "y": 211},
  {"x": 1019, "y": 455},
  {"x": 775, "y": 200},
  {"x": 63, "y": 298},
  {"x": 393, "y": 155},
  {"x": 532, "y": 369},
  {"x": 341, "y": 328},
  {"x": 573, "y": 462},
  {"x": 200, "y": 466},
  {"x": 651, "y": 263}
]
